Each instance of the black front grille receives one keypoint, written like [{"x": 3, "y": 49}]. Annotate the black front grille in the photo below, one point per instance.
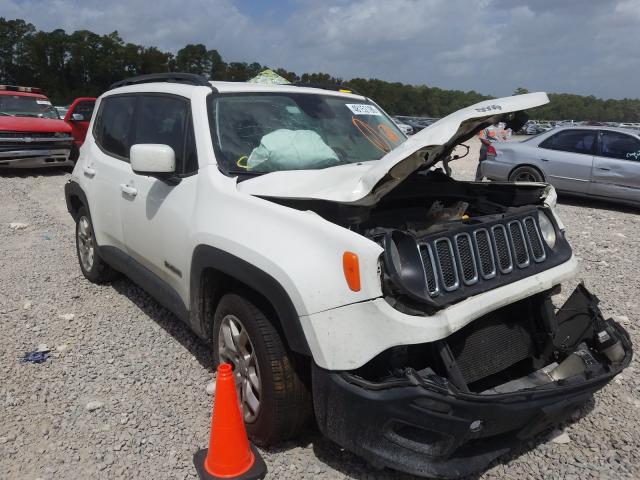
[
  {"x": 27, "y": 134},
  {"x": 461, "y": 260}
]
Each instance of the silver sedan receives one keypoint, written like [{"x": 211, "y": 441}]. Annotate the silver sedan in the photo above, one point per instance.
[{"x": 597, "y": 162}]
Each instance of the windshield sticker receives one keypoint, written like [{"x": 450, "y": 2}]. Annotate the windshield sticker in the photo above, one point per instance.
[
  {"x": 43, "y": 102},
  {"x": 370, "y": 134},
  {"x": 387, "y": 132},
  {"x": 292, "y": 109},
  {"x": 363, "y": 109}
]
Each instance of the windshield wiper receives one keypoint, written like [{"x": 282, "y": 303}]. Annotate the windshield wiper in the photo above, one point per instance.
[
  {"x": 244, "y": 172},
  {"x": 6, "y": 114}
]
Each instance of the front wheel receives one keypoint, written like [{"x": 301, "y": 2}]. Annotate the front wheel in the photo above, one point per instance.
[
  {"x": 526, "y": 174},
  {"x": 93, "y": 267},
  {"x": 276, "y": 404}
]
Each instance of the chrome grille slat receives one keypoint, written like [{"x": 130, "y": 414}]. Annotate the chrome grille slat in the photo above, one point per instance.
[
  {"x": 534, "y": 239},
  {"x": 503, "y": 250},
  {"x": 518, "y": 244},
  {"x": 446, "y": 264},
  {"x": 466, "y": 258},
  {"x": 484, "y": 252},
  {"x": 430, "y": 272}
]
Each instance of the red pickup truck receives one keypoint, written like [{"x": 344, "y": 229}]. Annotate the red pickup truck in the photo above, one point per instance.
[{"x": 31, "y": 132}]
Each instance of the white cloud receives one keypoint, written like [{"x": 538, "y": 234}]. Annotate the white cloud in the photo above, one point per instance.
[{"x": 491, "y": 46}]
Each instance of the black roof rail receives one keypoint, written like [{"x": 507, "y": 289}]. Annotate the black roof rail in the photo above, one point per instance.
[
  {"x": 328, "y": 86},
  {"x": 173, "y": 77}
]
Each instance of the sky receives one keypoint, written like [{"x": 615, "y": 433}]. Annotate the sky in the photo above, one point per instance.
[{"x": 587, "y": 47}]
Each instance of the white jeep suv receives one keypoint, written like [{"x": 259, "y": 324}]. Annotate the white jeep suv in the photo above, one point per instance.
[{"x": 342, "y": 275}]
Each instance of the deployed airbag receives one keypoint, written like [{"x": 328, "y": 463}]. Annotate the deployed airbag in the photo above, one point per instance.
[{"x": 291, "y": 150}]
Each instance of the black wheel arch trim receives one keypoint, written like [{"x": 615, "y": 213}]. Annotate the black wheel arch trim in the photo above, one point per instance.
[
  {"x": 73, "y": 189},
  {"x": 208, "y": 257}
]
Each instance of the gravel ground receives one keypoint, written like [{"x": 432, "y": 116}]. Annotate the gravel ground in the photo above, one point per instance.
[{"x": 124, "y": 392}]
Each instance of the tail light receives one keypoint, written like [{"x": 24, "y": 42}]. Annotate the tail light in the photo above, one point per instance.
[{"x": 491, "y": 150}]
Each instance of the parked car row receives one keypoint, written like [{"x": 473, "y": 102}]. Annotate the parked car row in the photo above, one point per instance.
[
  {"x": 535, "y": 127},
  {"x": 32, "y": 132}
]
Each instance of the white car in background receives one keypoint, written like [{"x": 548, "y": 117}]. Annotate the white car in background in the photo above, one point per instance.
[{"x": 404, "y": 128}]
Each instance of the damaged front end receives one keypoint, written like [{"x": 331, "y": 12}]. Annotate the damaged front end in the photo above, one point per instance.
[{"x": 447, "y": 408}]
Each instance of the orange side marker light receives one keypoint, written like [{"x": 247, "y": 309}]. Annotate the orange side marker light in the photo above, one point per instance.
[{"x": 351, "y": 267}]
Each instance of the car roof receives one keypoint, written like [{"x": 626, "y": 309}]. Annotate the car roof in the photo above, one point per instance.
[
  {"x": 187, "y": 90},
  {"x": 14, "y": 93},
  {"x": 595, "y": 127}
]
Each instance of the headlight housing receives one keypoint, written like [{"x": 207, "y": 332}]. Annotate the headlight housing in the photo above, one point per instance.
[{"x": 547, "y": 229}]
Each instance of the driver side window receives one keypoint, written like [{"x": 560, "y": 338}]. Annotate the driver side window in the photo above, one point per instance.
[{"x": 620, "y": 145}]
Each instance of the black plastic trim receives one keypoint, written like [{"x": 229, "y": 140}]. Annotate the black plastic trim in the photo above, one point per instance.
[
  {"x": 73, "y": 189},
  {"x": 206, "y": 256},
  {"x": 173, "y": 77},
  {"x": 146, "y": 279}
]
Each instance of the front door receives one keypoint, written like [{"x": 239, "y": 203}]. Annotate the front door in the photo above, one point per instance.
[
  {"x": 156, "y": 213},
  {"x": 616, "y": 168},
  {"x": 567, "y": 158},
  {"x": 78, "y": 117}
]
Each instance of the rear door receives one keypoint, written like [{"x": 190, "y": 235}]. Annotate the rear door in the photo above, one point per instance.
[
  {"x": 156, "y": 213},
  {"x": 106, "y": 167},
  {"x": 567, "y": 159},
  {"x": 616, "y": 168}
]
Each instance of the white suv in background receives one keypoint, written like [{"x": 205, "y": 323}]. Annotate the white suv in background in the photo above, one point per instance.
[{"x": 343, "y": 276}]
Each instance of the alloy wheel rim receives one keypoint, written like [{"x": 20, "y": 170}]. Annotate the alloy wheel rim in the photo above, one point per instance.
[
  {"x": 235, "y": 348},
  {"x": 86, "y": 247}
]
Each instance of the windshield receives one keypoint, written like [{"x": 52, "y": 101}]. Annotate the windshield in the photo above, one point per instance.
[
  {"x": 24, "y": 106},
  {"x": 260, "y": 133}
]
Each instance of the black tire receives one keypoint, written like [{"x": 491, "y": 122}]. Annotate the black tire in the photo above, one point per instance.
[
  {"x": 97, "y": 271},
  {"x": 285, "y": 402},
  {"x": 526, "y": 173}
]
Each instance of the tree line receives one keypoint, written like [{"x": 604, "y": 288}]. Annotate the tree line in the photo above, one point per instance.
[{"x": 84, "y": 63}]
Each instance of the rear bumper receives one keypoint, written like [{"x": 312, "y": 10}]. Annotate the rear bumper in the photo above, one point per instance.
[
  {"x": 495, "y": 170},
  {"x": 416, "y": 422},
  {"x": 35, "y": 158}
]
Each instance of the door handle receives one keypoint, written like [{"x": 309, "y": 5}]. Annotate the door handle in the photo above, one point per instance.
[
  {"x": 606, "y": 169},
  {"x": 544, "y": 159},
  {"x": 89, "y": 172},
  {"x": 128, "y": 190}
]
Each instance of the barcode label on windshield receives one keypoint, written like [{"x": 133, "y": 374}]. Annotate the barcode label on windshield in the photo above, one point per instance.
[
  {"x": 363, "y": 109},
  {"x": 43, "y": 102}
]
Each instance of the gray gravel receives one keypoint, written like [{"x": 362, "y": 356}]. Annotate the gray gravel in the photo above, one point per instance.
[{"x": 124, "y": 392}]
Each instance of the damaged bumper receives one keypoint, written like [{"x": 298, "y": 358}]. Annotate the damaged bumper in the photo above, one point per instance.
[{"x": 427, "y": 424}]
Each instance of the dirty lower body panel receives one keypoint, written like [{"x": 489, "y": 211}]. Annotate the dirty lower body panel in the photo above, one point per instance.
[{"x": 449, "y": 408}]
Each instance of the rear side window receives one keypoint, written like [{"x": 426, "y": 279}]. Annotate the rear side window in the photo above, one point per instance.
[
  {"x": 575, "y": 141},
  {"x": 113, "y": 127},
  {"x": 166, "y": 120},
  {"x": 619, "y": 145}
]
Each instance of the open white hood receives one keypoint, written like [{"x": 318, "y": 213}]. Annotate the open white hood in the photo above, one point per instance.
[{"x": 366, "y": 183}]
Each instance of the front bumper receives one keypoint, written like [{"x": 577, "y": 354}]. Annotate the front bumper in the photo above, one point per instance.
[
  {"x": 419, "y": 423},
  {"x": 30, "y": 158}
]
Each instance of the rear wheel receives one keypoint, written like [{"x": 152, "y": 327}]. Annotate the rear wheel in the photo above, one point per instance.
[
  {"x": 526, "y": 174},
  {"x": 93, "y": 267},
  {"x": 276, "y": 404}
]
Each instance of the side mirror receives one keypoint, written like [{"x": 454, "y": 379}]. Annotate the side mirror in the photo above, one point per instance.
[
  {"x": 153, "y": 159},
  {"x": 77, "y": 117}
]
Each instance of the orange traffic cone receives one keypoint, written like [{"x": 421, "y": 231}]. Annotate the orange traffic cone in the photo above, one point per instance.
[{"x": 230, "y": 456}]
